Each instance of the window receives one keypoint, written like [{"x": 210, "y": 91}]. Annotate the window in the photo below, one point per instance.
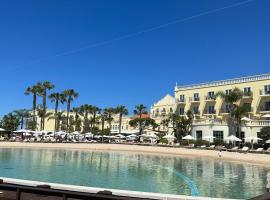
[
  {"x": 196, "y": 97},
  {"x": 228, "y": 91},
  {"x": 267, "y": 106},
  {"x": 267, "y": 89},
  {"x": 199, "y": 135},
  {"x": 157, "y": 110},
  {"x": 227, "y": 108},
  {"x": 171, "y": 110},
  {"x": 196, "y": 110},
  {"x": 182, "y": 98},
  {"x": 218, "y": 135},
  {"x": 241, "y": 136},
  {"x": 247, "y": 91},
  {"x": 211, "y": 109},
  {"x": 181, "y": 111},
  {"x": 248, "y": 106},
  {"x": 211, "y": 95},
  {"x": 164, "y": 110}
]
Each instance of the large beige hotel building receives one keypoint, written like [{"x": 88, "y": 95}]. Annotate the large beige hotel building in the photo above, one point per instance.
[{"x": 210, "y": 113}]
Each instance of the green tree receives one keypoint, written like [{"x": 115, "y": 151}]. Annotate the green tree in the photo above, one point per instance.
[
  {"x": 57, "y": 98},
  {"x": 42, "y": 91},
  {"x": 121, "y": 110},
  {"x": 232, "y": 100},
  {"x": 264, "y": 133},
  {"x": 110, "y": 112},
  {"x": 34, "y": 91},
  {"x": 94, "y": 110},
  {"x": 139, "y": 111},
  {"x": 69, "y": 95},
  {"x": 59, "y": 117},
  {"x": 142, "y": 123},
  {"x": 84, "y": 112},
  {"x": 22, "y": 114},
  {"x": 10, "y": 122},
  {"x": 78, "y": 121}
]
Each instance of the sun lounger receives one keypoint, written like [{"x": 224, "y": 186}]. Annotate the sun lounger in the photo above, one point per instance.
[
  {"x": 211, "y": 147},
  {"x": 203, "y": 146},
  {"x": 259, "y": 150},
  {"x": 244, "y": 149},
  {"x": 234, "y": 149}
]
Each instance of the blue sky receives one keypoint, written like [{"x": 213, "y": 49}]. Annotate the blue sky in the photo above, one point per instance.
[{"x": 46, "y": 40}]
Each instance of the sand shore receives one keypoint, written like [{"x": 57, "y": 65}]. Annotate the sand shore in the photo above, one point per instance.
[{"x": 258, "y": 159}]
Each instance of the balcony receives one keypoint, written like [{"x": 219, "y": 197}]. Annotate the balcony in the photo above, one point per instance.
[
  {"x": 209, "y": 112},
  {"x": 224, "y": 111},
  {"x": 196, "y": 112},
  {"x": 264, "y": 92},
  {"x": 247, "y": 95},
  {"x": 264, "y": 109},
  {"x": 210, "y": 98},
  {"x": 181, "y": 101},
  {"x": 194, "y": 99}
]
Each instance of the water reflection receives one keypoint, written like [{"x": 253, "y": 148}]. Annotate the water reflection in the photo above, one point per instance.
[{"x": 214, "y": 178}]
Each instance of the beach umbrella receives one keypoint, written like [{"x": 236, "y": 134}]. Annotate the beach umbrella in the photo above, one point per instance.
[
  {"x": 233, "y": 138},
  {"x": 75, "y": 133},
  {"x": 246, "y": 119},
  {"x": 251, "y": 139},
  {"x": 22, "y": 131},
  {"x": 188, "y": 137},
  {"x": 266, "y": 116},
  {"x": 152, "y": 135},
  {"x": 120, "y": 136},
  {"x": 169, "y": 137},
  {"x": 267, "y": 141},
  {"x": 132, "y": 135},
  {"x": 209, "y": 138},
  {"x": 1, "y": 129}
]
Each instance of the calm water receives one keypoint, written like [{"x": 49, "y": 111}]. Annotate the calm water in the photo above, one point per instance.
[{"x": 174, "y": 175}]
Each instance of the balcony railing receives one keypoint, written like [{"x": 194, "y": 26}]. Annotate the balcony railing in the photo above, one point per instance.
[
  {"x": 247, "y": 94},
  {"x": 210, "y": 112},
  {"x": 207, "y": 98},
  {"x": 196, "y": 112},
  {"x": 265, "y": 92},
  {"x": 181, "y": 101},
  {"x": 264, "y": 109},
  {"x": 194, "y": 99},
  {"x": 224, "y": 110}
]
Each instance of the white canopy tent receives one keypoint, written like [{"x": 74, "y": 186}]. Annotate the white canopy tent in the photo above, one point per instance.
[
  {"x": 22, "y": 131},
  {"x": 246, "y": 119}
]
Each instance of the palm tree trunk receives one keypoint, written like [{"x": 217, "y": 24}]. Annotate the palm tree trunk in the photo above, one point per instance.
[
  {"x": 120, "y": 123},
  {"x": 44, "y": 108},
  {"x": 22, "y": 123},
  {"x": 68, "y": 109},
  {"x": 34, "y": 109},
  {"x": 55, "y": 115}
]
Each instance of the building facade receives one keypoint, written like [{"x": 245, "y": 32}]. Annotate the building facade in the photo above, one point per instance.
[{"x": 211, "y": 112}]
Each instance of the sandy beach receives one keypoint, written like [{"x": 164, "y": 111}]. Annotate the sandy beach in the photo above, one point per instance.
[{"x": 252, "y": 158}]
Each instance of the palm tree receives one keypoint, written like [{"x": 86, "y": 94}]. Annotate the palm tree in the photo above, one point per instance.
[
  {"x": 139, "y": 111},
  {"x": 94, "y": 111},
  {"x": 109, "y": 112},
  {"x": 43, "y": 87},
  {"x": 58, "y": 118},
  {"x": 70, "y": 95},
  {"x": 231, "y": 99},
  {"x": 56, "y": 97},
  {"x": 22, "y": 114},
  {"x": 84, "y": 111},
  {"x": 77, "y": 120},
  {"x": 33, "y": 90},
  {"x": 121, "y": 110}
]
